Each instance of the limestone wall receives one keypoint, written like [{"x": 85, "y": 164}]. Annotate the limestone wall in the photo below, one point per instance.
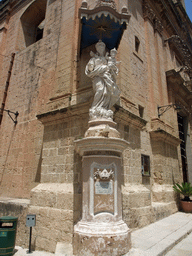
[
  {"x": 17, "y": 208},
  {"x": 37, "y": 71},
  {"x": 52, "y": 95}
]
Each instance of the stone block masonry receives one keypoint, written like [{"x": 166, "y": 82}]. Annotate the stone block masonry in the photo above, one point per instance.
[
  {"x": 54, "y": 207},
  {"x": 48, "y": 88},
  {"x": 21, "y": 147},
  {"x": 17, "y": 208}
]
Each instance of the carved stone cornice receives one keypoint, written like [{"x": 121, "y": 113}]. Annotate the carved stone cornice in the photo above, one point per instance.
[
  {"x": 109, "y": 3},
  {"x": 3, "y": 3},
  {"x": 163, "y": 132},
  {"x": 95, "y": 144},
  {"x": 162, "y": 135},
  {"x": 122, "y": 115},
  {"x": 104, "y": 8},
  {"x": 179, "y": 5},
  {"x": 64, "y": 112},
  {"x": 8, "y": 7},
  {"x": 148, "y": 13},
  {"x": 158, "y": 25},
  {"x": 4, "y": 10},
  {"x": 180, "y": 84},
  {"x": 185, "y": 53}
]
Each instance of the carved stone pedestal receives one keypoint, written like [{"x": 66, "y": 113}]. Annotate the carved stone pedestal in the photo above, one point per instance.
[
  {"x": 102, "y": 239},
  {"x": 101, "y": 231}
]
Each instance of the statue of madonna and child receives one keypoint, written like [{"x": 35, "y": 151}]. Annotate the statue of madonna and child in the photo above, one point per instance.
[{"x": 102, "y": 69}]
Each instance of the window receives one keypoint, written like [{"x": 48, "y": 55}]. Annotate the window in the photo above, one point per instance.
[
  {"x": 178, "y": 63},
  {"x": 126, "y": 132},
  {"x": 39, "y": 31},
  {"x": 182, "y": 127},
  {"x": 51, "y": 1},
  {"x": 141, "y": 111},
  {"x": 32, "y": 23},
  {"x": 137, "y": 44},
  {"x": 145, "y": 165}
]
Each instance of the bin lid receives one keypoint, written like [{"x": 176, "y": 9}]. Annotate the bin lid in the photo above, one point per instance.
[{"x": 8, "y": 218}]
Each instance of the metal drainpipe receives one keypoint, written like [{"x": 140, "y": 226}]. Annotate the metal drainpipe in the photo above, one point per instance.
[{"x": 6, "y": 86}]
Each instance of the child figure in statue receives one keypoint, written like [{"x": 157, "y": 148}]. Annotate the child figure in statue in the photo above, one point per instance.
[{"x": 112, "y": 63}]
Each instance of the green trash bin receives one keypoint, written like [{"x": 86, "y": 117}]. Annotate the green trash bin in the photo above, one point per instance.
[{"x": 8, "y": 227}]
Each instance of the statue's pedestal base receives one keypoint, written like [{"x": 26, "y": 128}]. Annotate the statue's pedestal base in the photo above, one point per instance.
[
  {"x": 101, "y": 230},
  {"x": 102, "y": 128},
  {"x": 112, "y": 238}
]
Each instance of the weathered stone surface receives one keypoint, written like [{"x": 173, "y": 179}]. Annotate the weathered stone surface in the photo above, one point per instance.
[
  {"x": 54, "y": 195},
  {"x": 100, "y": 243},
  {"x": 102, "y": 128},
  {"x": 136, "y": 196},
  {"x": 17, "y": 208},
  {"x": 140, "y": 217},
  {"x": 53, "y": 225},
  {"x": 163, "y": 193},
  {"x": 49, "y": 89}
]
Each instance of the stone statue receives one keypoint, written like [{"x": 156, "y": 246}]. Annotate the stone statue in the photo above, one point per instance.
[{"x": 102, "y": 69}]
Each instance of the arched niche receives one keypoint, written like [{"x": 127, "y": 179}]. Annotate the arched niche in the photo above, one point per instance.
[
  {"x": 32, "y": 24},
  {"x": 103, "y": 22}
]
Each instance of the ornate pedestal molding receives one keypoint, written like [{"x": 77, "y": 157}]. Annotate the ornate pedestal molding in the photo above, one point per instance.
[{"x": 101, "y": 231}]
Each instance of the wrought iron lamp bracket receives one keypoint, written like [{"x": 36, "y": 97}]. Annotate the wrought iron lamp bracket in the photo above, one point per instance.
[
  {"x": 11, "y": 112},
  {"x": 162, "y": 109}
]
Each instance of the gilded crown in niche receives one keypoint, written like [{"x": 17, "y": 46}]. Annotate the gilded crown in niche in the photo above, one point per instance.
[
  {"x": 109, "y": 3},
  {"x": 103, "y": 174}
]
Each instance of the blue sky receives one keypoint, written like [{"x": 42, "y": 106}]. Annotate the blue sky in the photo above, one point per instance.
[{"x": 188, "y": 4}]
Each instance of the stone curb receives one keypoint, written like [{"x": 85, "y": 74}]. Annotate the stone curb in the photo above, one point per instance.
[
  {"x": 162, "y": 236},
  {"x": 168, "y": 248}
]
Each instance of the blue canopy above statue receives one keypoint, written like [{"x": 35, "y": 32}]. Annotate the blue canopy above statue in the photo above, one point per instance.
[
  {"x": 104, "y": 28},
  {"x": 102, "y": 23}
]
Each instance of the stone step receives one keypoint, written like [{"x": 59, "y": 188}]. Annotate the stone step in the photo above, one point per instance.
[{"x": 63, "y": 249}]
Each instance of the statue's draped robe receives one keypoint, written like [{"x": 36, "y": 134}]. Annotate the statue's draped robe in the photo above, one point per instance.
[{"x": 104, "y": 86}]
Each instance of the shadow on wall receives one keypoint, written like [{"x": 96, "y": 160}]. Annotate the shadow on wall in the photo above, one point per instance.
[
  {"x": 7, "y": 155},
  {"x": 38, "y": 173},
  {"x": 135, "y": 7},
  {"x": 164, "y": 149},
  {"x": 77, "y": 186},
  {"x": 165, "y": 162}
]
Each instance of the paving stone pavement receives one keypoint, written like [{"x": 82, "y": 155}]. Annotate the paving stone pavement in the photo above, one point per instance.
[
  {"x": 19, "y": 251},
  {"x": 171, "y": 236},
  {"x": 183, "y": 248},
  {"x": 158, "y": 238}
]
